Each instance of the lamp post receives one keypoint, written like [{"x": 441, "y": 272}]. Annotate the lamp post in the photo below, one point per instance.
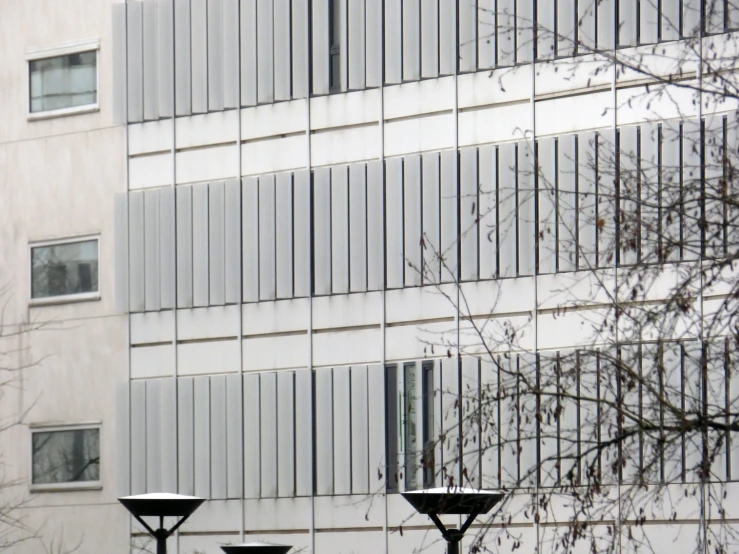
[
  {"x": 161, "y": 505},
  {"x": 256, "y": 548},
  {"x": 453, "y": 500}
]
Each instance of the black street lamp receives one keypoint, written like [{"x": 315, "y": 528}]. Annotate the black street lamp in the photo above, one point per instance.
[
  {"x": 161, "y": 505},
  {"x": 256, "y": 548},
  {"x": 453, "y": 500}
]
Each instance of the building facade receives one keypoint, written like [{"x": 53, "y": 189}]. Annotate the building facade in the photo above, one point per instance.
[{"x": 298, "y": 206}]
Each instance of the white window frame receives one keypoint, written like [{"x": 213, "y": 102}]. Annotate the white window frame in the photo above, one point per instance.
[
  {"x": 63, "y": 49},
  {"x": 65, "y": 298},
  {"x": 53, "y": 427}
]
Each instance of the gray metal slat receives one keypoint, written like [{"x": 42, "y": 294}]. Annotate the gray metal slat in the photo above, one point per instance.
[
  {"x": 412, "y": 220},
  {"x": 248, "y": 39},
  {"x": 393, "y": 42},
  {"x": 118, "y": 29},
  {"x": 447, "y": 37},
  {"x": 606, "y": 14},
  {"x": 265, "y": 52},
  {"x": 300, "y": 48},
  {"x": 250, "y": 238},
  {"x": 234, "y": 437},
  {"x": 566, "y": 26},
  {"x": 586, "y": 214},
  {"x": 395, "y": 262},
  {"x": 200, "y": 245},
  {"x": 525, "y": 31},
  {"x": 373, "y": 44},
  {"x": 217, "y": 447},
  {"x": 430, "y": 39},
  {"x": 267, "y": 260},
  {"x": 184, "y": 246},
  {"x": 628, "y": 16},
  {"x": 282, "y": 50},
  {"x": 120, "y": 207},
  {"x": 411, "y": 40},
  {"x": 153, "y": 436},
  {"x": 151, "y": 250},
  {"x": 320, "y": 47},
  {"x": 467, "y": 35},
  {"x": 304, "y": 420},
  {"x": 123, "y": 438},
  {"x": 202, "y": 447},
  {"x": 431, "y": 219},
  {"x": 375, "y": 226},
  {"x": 183, "y": 64},
  {"x": 360, "y": 470},
  {"x": 358, "y": 227},
  {"x": 468, "y": 206},
  {"x": 286, "y": 434},
  {"x": 199, "y": 55},
  {"x": 232, "y": 241},
  {"x": 186, "y": 436},
  {"x": 486, "y": 37},
  {"x": 136, "y": 255},
  {"x": 342, "y": 431},
  {"x": 339, "y": 229},
  {"x": 138, "y": 437},
  {"x": 151, "y": 59},
  {"x": 284, "y": 235},
  {"x": 449, "y": 216},
  {"x": 135, "y": 61},
  {"x": 356, "y": 38},
  {"x": 252, "y": 439},
  {"x": 324, "y": 422},
  {"x": 268, "y": 432},
  {"x": 322, "y": 231},
  {"x": 302, "y": 231},
  {"x": 546, "y": 198},
  {"x": 545, "y": 35},
  {"x": 230, "y": 53},
  {"x": 566, "y": 204},
  {"x": 506, "y": 222},
  {"x": 487, "y": 239},
  {"x": 215, "y": 55},
  {"x": 167, "y": 270},
  {"x": 376, "y": 416},
  {"x": 648, "y": 22},
  {"x": 217, "y": 243}
]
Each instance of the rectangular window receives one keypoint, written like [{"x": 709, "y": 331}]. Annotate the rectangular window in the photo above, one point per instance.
[
  {"x": 66, "y": 457},
  {"x": 65, "y": 269},
  {"x": 392, "y": 406},
  {"x": 64, "y": 83}
]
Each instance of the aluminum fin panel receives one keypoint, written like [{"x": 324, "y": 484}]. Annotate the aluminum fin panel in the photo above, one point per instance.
[
  {"x": 342, "y": 432},
  {"x": 339, "y": 230},
  {"x": 218, "y": 459},
  {"x": 230, "y": 53},
  {"x": 286, "y": 434},
  {"x": 360, "y": 470},
  {"x": 267, "y": 267},
  {"x": 234, "y": 437},
  {"x": 375, "y": 226},
  {"x": 412, "y": 220},
  {"x": 120, "y": 115},
  {"x": 136, "y": 252},
  {"x": 302, "y": 231},
  {"x": 151, "y": 58},
  {"x": 487, "y": 238},
  {"x": 200, "y": 245},
  {"x": 182, "y": 62},
  {"x": 217, "y": 243},
  {"x": 252, "y": 441},
  {"x": 358, "y": 227},
  {"x": 324, "y": 423},
  {"x": 282, "y": 50},
  {"x": 300, "y": 48},
  {"x": 135, "y": 61},
  {"x": 202, "y": 436},
  {"x": 468, "y": 207},
  {"x": 393, "y": 41},
  {"x": 567, "y": 206},
  {"x": 151, "y": 250},
  {"x": 394, "y": 222},
  {"x": 447, "y": 37},
  {"x": 250, "y": 238},
  {"x": 322, "y": 231},
  {"x": 449, "y": 216},
  {"x": 215, "y": 55},
  {"x": 284, "y": 234},
  {"x": 268, "y": 434},
  {"x": 357, "y": 44},
  {"x": 232, "y": 241},
  {"x": 411, "y": 42},
  {"x": 184, "y": 246},
  {"x": 546, "y": 231},
  {"x": 265, "y": 52},
  {"x": 431, "y": 219},
  {"x": 248, "y": 33},
  {"x": 373, "y": 44},
  {"x": 120, "y": 206},
  {"x": 199, "y": 55},
  {"x": 304, "y": 433},
  {"x": 138, "y": 437},
  {"x": 167, "y": 271},
  {"x": 467, "y": 35},
  {"x": 320, "y": 46},
  {"x": 185, "y": 436}
]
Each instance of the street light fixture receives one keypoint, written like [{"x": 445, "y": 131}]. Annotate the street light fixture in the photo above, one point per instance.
[
  {"x": 453, "y": 500},
  {"x": 161, "y": 505},
  {"x": 256, "y": 548}
]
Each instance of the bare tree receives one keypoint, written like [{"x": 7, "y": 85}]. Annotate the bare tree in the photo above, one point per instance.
[
  {"x": 632, "y": 423},
  {"x": 15, "y": 358}
]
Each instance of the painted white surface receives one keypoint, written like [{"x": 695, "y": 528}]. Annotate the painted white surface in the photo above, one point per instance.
[
  {"x": 151, "y": 327},
  {"x": 205, "y": 164},
  {"x": 208, "y": 323},
  {"x": 152, "y": 361},
  {"x": 276, "y": 352},
  {"x": 201, "y": 358}
]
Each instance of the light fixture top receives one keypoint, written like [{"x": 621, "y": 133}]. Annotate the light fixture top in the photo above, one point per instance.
[
  {"x": 453, "y": 500},
  {"x": 161, "y": 504},
  {"x": 256, "y": 547}
]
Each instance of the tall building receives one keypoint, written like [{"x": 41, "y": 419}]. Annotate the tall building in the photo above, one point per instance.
[{"x": 248, "y": 238}]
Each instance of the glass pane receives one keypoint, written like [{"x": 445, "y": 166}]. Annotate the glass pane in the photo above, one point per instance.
[
  {"x": 411, "y": 431},
  {"x": 64, "y": 269},
  {"x": 63, "y": 81},
  {"x": 66, "y": 456}
]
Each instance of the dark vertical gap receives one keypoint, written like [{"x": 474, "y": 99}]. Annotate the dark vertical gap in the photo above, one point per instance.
[
  {"x": 617, "y": 207},
  {"x": 313, "y": 432},
  {"x": 496, "y": 231},
  {"x": 311, "y": 223},
  {"x": 516, "y": 214},
  {"x": 680, "y": 200},
  {"x": 538, "y": 420},
  {"x": 421, "y": 242},
  {"x": 402, "y": 216},
  {"x": 366, "y": 228},
  {"x": 290, "y": 83},
  {"x": 659, "y": 243},
  {"x": 476, "y": 214},
  {"x": 383, "y": 207},
  {"x": 681, "y": 369},
  {"x": 556, "y": 205},
  {"x": 537, "y": 207},
  {"x": 347, "y": 222},
  {"x": 351, "y": 437},
  {"x": 292, "y": 233},
  {"x": 330, "y": 218},
  {"x": 637, "y": 192}
]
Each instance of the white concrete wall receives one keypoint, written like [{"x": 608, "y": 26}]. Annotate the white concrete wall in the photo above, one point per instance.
[{"x": 57, "y": 180}]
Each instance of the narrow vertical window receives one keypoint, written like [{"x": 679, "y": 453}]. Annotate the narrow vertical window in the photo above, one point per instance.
[
  {"x": 392, "y": 402},
  {"x": 334, "y": 24}
]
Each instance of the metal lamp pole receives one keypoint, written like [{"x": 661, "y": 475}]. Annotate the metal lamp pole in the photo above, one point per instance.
[
  {"x": 161, "y": 505},
  {"x": 453, "y": 500}
]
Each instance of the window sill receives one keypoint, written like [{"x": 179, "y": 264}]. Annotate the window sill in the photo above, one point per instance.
[
  {"x": 67, "y": 299},
  {"x": 68, "y": 487},
  {"x": 53, "y": 114}
]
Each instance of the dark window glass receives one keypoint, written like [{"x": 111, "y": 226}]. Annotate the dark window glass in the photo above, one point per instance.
[
  {"x": 63, "y": 82},
  {"x": 334, "y": 25},
  {"x": 64, "y": 269},
  {"x": 392, "y": 402},
  {"x": 66, "y": 456}
]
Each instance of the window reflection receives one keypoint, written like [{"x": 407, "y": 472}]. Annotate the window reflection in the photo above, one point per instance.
[
  {"x": 66, "y": 456},
  {"x": 64, "y": 269},
  {"x": 63, "y": 82}
]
